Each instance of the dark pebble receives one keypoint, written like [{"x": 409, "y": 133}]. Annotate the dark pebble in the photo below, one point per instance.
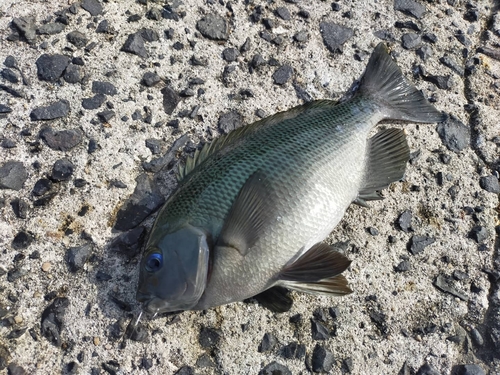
[
  {"x": 213, "y": 26},
  {"x": 26, "y": 27},
  {"x": 427, "y": 369},
  {"x": 154, "y": 14},
  {"x": 93, "y": 146},
  {"x": 454, "y": 134},
  {"x": 478, "y": 234},
  {"x": 268, "y": 343},
  {"x": 14, "y": 369},
  {"x": 13, "y": 174},
  {"x": 246, "y": 45},
  {"x": 334, "y": 35},
  {"x": 411, "y": 40},
  {"x": 135, "y": 45},
  {"x": 293, "y": 350},
  {"x": 62, "y": 170},
  {"x": 102, "y": 276},
  {"x": 20, "y": 208},
  {"x": 205, "y": 361},
  {"x": 373, "y": 231},
  {"x": 380, "y": 320},
  {"x": 425, "y": 52},
  {"x": 274, "y": 368},
  {"x": 78, "y": 39},
  {"x": 170, "y": 100},
  {"x": 112, "y": 367},
  {"x": 476, "y": 336},
  {"x": 106, "y": 115},
  {"x": 459, "y": 275},
  {"x": 94, "y": 102},
  {"x": 452, "y": 64},
  {"x": 442, "y": 82},
  {"x": 417, "y": 244},
  {"x": 445, "y": 284},
  {"x": 52, "y": 320},
  {"x": 301, "y": 36},
  {"x": 303, "y": 14},
  {"x": 150, "y": 79},
  {"x": 154, "y": 145},
  {"x": 209, "y": 337},
  {"x": 129, "y": 243},
  {"x": 319, "y": 331},
  {"x": 229, "y": 121},
  {"x": 51, "y": 67},
  {"x": 283, "y": 74},
  {"x": 468, "y": 370},
  {"x": 145, "y": 200},
  {"x": 45, "y": 200},
  {"x": 322, "y": 360},
  {"x": 347, "y": 365},
  {"x": 403, "y": 266},
  {"x": 117, "y": 184},
  {"x": 50, "y": 28},
  {"x": 9, "y": 75},
  {"x": 149, "y": 35},
  {"x": 404, "y": 221},
  {"x": 385, "y": 35},
  {"x": 12, "y": 91},
  {"x": 5, "y": 109},
  {"x": 283, "y": 13},
  {"x": 407, "y": 25},
  {"x": 185, "y": 370},
  {"x": 146, "y": 363},
  {"x": 230, "y": 54},
  {"x": 257, "y": 60},
  {"x": 41, "y": 187},
  {"x": 106, "y": 88},
  {"x": 94, "y": 7},
  {"x": 22, "y": 240},
  {"x": 490, "y": 184},
  {"x": 78, "y": 256},
  {"x": 53, "y": 111},
  {"x": 63, "y": 140},
  {"x": 410, "y": 7},
  {"x": 73, "y": 74}
]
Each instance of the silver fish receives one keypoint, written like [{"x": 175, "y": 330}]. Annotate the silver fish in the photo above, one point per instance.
[{"x": 251, "y": 208}]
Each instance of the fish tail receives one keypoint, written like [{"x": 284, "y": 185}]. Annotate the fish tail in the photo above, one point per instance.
[{"x": 384, "y": 83}]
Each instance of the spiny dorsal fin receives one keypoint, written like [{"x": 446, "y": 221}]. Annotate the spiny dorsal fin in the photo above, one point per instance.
[{"x": 211, "y": 148}]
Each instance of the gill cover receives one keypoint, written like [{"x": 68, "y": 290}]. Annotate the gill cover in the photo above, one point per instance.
[{"x": 173, "y": 272}]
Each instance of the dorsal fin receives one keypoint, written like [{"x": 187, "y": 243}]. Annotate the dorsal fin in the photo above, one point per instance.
[{"x": 211, "y": 148}]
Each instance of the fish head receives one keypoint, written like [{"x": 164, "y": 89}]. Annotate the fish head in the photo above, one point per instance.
[{"x": 174, "y": 270}]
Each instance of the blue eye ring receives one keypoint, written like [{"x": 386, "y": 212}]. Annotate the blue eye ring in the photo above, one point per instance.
[{"x": 154, "y": 262}]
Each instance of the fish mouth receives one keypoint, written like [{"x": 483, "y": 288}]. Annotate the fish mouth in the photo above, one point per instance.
[{"x": 154, "y": 306}]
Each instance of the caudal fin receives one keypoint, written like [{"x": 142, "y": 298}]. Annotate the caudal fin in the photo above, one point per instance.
[{"x": 399, "y": 99}]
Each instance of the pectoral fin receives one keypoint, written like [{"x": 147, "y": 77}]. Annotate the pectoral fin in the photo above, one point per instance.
[
  {"x": 276, "y": 299},
  {"x": 317, "y": 271},
  {"x": 250, "y": 213}
]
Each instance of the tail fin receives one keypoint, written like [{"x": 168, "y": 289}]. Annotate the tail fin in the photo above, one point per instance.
[{"x": 399, "y": 99}]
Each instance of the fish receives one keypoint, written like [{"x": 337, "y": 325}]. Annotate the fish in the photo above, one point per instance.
[{"x": 251, "y": 209}]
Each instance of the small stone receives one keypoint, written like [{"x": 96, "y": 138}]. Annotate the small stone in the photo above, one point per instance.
[
  {"x": 257, "y": 60},
  {"x": 46, "y": 266},
  {"x": 301, "y": 37},
  {"x": 274, "y": 368},
  {"x": 454, "y": 134},
  {"x": 73, "y": 74},
  {"x": 5, "y": 109},
  {"x": 78, "y": 39},
  {"x": 41, "y": 187},
  {"x": 425, "y": 52},
  {"x": 8, "y": 143},
  {"x": 347, "y": 365},
  {"x": 230, "y": 54},
  {"x": 213, "y": 26},
  {"x": 9, "y": 75},
  {"x": 52, "y": 320},
  {"x": 403, "y": 266},
  {"x": 478, "y": 234},
  {"x": 452, "y": 64},
  {"x": 106, "y": 115},
  {"x": 209, "y": 337},
  {"x": 444, "y": 284},
  {"x": 154, "y": 145},
  {"x": 63, "y": 140},
  {"x": 185, "y": 370},
  {"x": 62, "y": 170},
  {"x": 385, "y": 35},
  {"x": 135, "y": 45},
  {"x": 205, "y": 361},
  {"x": 373, "y": 231},
  {"x": 20, "y": 208},
  {"x": 12, "y": 175},
  {"x": 380, "y": 320},
  {"x": 319, "y": 331},
  {"x": 51, "y": 67},
  {"x": 94, "y": 7},
  {"x": 229, "y": 121},
  {"x": 293, "y": 350},
  {"x": 22, "y": 240},
  {"x": 469, "y": 370},
  {"x": 322, "y": 359},
  {"x": 268, "y": 343},
  {"x": 410, "y": 7},
  {"x": 154, "y": 14},
  {"x": 476, "y": 336},
  {"x": 26, "y": 27},
  {"x": 103, "y": 276},
  {"x": 78, "y": 256},
  {"x": 53, "y": 111},
  {"x": 334, "y": 35},
  {"x": 283, "y": 74},
  {"x": 94, "y": 102},
  {"x": 283, "y": 13},
  {"x": 149, "y": 35},
  {"x": 129, "y": 243},
  {"x": 51, "y": 28},
  {"x": 105, "y": 88},
  {"x": 490, "y": 184},
  {"x": 170, "y": 100},
  {"x": 411, "y": 40},
  {"x": 150, "y": 79},
  {"x": 404, "y": 221},
  {"x": 417, "y": 244},
  {"x": 14, "y": 369},
  {"x": 246, "y": 45},
  {"x": 442, "y": 82}
]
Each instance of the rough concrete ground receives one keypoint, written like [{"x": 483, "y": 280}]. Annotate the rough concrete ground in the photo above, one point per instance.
[{"x": 54, "y": 319}]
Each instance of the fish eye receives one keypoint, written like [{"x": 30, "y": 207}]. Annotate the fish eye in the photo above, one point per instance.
[{"x": 154, "y": 262}]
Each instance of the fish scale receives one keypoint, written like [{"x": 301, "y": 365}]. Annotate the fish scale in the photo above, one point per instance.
[{"x": 252, "y": 208}]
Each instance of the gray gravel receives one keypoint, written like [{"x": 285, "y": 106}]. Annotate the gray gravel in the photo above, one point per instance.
[{"x": 100, "y": 101}]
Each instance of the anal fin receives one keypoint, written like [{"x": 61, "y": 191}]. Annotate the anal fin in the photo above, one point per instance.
[{"x": 388, "y": 153}]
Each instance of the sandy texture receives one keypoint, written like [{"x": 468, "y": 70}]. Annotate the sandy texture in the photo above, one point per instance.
[{"x": 392, "y": 318}]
